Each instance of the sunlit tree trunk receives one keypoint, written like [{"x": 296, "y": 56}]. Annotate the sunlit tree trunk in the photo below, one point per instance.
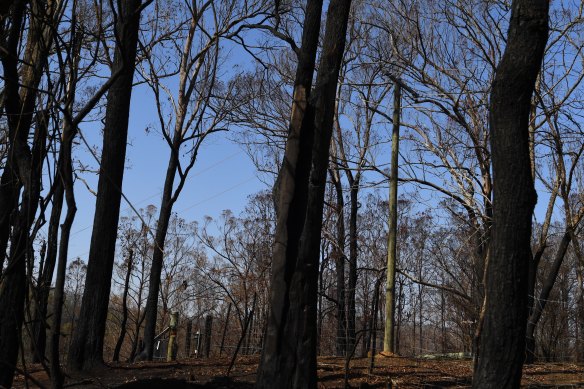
[{"x": 389, "y": 333}]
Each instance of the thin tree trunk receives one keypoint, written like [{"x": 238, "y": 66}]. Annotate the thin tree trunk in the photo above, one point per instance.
[
  {"x": 320, "y": 319},
  {"x": 339, "y": 257},
  {"x": 19, "y": 104},
  {"x": 64, "y": 178},
  {"x": 389, "y": 333},
  {"x": 137, "y": 341},
  {"x": 373, "y": 334},
  {"x": 580, "y": 311},
  {"x": 22, "y": 170},
  {"x": 39, "y": 331},
  {"x": 398, "y": 324},
  {"x": 541, "y": 301},
  {"x": 352, "y": 281},
  {"x": 58, "y": 298},
  {"x": 208, "y": 331},
  {"x": 501, "y": 349},
  {"x": 579, "y": 292},
  {"x": 122, "y": 336},
  {"x": 158, "y": 256},
  {"x": 13, "y": 286},
  {"x": 86, "y": 350},
  {"x": 225, "y": 330},
  {"x": 244, "y": 333}
]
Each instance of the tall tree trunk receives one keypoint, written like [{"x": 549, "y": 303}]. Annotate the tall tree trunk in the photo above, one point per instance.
[
  {"x": 64, "y": 182},
  {"x": 352, "y": 281},
  {"x": 289, "y": 353},
  {"x": 158, "y": 256},
  {"x": 86, "y": 350},
  {"x": 66, "y": 175},
  {"x": 339, "y": 257},
  {"x": 281, "y": 356},
  {"x": 502, "y": 340},
  {"x": 389, "y": 333}
]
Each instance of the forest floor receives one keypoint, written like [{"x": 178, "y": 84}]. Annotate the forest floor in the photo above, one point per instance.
[{"x": 212, "y": 373}]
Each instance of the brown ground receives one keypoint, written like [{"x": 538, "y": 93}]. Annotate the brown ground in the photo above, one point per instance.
[{"x": 211, "y": 373}]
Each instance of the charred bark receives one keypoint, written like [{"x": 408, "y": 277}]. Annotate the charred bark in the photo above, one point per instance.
[
  {"x": 86, "y": 347},
  {"x": 502, "y": 340},
  {"x": 13, "y": 286},
  {"x": 18, "y": 125},
  {"x": 289, "y": 354},
  {"x": 66, "y": 175},
  {"x": 281, "y": 356},
  {"x": 158, "y": 256},
  {"x": 339, "y": 257}
]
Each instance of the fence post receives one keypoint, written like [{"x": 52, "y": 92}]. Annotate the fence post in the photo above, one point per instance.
[{"x": 170, "y": 354}]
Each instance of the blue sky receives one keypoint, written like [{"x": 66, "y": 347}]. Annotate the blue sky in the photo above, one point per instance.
[{"x": 222, "y": 178}]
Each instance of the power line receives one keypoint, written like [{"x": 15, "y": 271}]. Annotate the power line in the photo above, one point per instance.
[
  {"x": 218, "y": 194},
  {"x": 160, "y": 192},
  {"x": 189, "y": 207}
]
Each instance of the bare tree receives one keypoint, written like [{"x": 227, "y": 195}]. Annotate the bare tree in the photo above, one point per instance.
[
  {"x": 23, "y": 170},
  {"x": 87, "y": 345},
  {"x": 196, "y": 111}
]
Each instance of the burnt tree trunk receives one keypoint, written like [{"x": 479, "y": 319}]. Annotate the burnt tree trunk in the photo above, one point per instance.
[
  {"x": 18, "y": 125},
  {"x": 502, "y": 340},
  {"x": 86, "y": 350},
  {"x": 39, "y": 332},
  {"x": 124, "y": 322},
  {"x": 289, "y": 353},
  {"x": 339, "y": 257},
  {"x": 352, "y": 281},
  {"x": 208, "y": 331},
  {"x": 66, "y": 176},
  {"x": 64, "y": 182},
  {"x": 373, "y": 332},
  {"x": 14, "y": 284},
  {"x": 282, "y": 354},
  {"x": 158, "y": 255}
]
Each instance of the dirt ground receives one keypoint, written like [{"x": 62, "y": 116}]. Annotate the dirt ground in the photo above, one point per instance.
[{"x": 394, "y": 372}]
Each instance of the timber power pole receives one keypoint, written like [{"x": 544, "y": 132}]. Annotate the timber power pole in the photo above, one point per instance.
[{"x": 389, "y": 335}]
